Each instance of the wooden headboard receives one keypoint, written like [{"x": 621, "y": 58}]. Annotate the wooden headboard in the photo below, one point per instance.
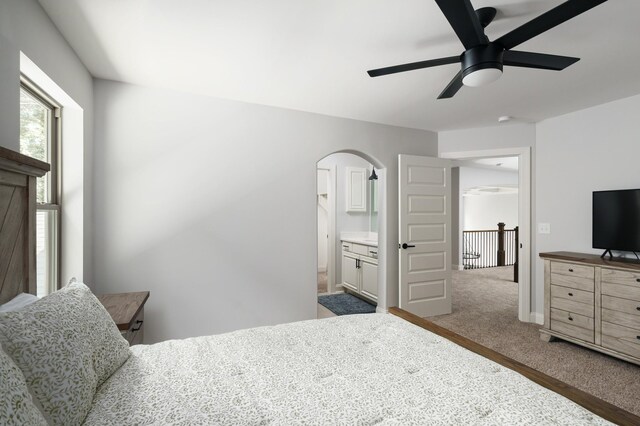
[{"x": 18, "y": 223}]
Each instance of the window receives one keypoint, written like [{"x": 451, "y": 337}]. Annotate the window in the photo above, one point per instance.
[{"x": 39, "y": 138}]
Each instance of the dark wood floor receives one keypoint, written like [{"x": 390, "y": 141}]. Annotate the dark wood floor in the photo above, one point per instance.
[{"x": 595, "y": 405}]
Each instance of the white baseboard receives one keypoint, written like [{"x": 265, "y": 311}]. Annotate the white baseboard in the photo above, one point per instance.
[
  {"x": 457, "y": 267},
  {"x": 322, "y": 269},
  {"x": 380, "y": 310},
  {"x": 536, "y": 318}
]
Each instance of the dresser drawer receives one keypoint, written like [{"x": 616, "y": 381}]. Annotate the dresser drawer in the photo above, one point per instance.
[
  {"x": 572, "y": 269},
  {"x": 561, "y": 323},
  {"x": 581, "y": 302},
  {"x": 621, "y": 318},
  {"x": 630, "y": 307},
  {"x": 579, "y": 283},
  {"x": 346, "y": 246},
  {"x": 621, "y": 277},
  {"x": 621, "y": 312},
  {"x": 621, "y": 339},
  {"x": 580, "y": 296},
  {"x": 622, "y": 291},
  {"x": 571, "y": 318}
]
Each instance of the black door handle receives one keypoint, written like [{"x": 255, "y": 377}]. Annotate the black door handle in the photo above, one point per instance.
[{"x": 406, "y": 246}]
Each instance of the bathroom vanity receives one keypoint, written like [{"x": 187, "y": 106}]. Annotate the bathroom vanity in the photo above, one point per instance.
[{"x": 360, "y": 267}]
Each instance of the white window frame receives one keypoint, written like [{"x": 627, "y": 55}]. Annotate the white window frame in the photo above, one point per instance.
[{"x": 54, "y": 182}]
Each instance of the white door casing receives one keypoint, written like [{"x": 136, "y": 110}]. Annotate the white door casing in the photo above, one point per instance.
[
  {"x": 524, "y": 220},
  {"x": 425, "y": 223}
]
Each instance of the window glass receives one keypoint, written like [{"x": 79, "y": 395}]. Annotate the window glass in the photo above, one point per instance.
[
  {"x": 35, "y": 132},
  {"x": 38, "y": 140}
]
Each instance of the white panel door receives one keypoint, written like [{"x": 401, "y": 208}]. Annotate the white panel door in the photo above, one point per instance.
[{"x": 425, "y": 240}]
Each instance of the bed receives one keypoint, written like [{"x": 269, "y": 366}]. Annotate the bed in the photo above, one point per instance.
[{"x": 360, "y": 369}]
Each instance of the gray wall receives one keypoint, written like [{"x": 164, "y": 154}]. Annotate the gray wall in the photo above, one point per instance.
[
  {"x": 25, "y": 27},
  {"x": 578, "y": 153},
  {"x": 210, "y": 204},
  {"x": 503, "y": 136}
]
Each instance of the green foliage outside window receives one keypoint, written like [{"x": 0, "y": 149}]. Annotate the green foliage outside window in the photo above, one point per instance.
[{"x": 34, "y": 133}]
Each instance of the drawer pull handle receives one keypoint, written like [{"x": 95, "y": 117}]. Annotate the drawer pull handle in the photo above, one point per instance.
[
  {"x": 570, "y": 269},
  {"x": 139, "y": 322},
  {"x": 571, "y": 294},
  {"x": 638, "y": 280},
  {"x": 638, "y": 308},
  {"x": 570, "y": 318}
]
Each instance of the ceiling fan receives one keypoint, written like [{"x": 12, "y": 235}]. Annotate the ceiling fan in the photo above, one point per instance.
[{"x": 482, "y": 60}]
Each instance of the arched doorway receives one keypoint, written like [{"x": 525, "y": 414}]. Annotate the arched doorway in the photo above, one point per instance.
[{"x": 351, "y": 231}]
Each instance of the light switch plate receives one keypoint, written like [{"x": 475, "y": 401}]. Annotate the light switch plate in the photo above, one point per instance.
[{"x": 544, "y": 228}]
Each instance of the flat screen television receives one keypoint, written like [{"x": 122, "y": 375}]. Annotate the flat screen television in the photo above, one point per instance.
[{"x": 616, "y": 220}]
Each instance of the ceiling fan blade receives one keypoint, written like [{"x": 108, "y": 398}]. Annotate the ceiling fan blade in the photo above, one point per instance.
[
  {"x": 464, "y": 21},
  {"x": 546, "y": 21},
  {"x": 543, "y": 61},
  {"x": 453, "y": 87},
  {"x": 413, "y": 66}
]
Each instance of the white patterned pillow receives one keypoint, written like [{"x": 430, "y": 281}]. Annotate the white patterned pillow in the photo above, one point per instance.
[
  {"x": 67, "y": 345},
  {"x": 16, "y": 405}
]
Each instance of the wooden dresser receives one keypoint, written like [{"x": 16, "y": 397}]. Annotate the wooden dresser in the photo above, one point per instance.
[
  {"x": 127, "y": 311},
  {"x": 593, "y": 302}
]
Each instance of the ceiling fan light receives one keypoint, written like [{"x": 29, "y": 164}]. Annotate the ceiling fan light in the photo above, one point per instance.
[{"x": 481, "y": 77}]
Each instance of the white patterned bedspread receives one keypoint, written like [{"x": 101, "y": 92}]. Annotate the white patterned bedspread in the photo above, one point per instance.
[{"x": 373, "y": 369}]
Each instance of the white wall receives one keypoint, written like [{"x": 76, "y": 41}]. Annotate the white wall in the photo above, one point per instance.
[
  {"x": 483, "y": 212},
  {"x": 471, "y": 177},
  {"x": 210, "y": 204},
  {"x": 323, "y": 218},
  {"x": 503, "y": 136},
  {"x": 345, "y": 221},
  {"x": 578, "y": 153},
  {"x": 323, "y": 242},
  {"x": 25, "y": 27}
]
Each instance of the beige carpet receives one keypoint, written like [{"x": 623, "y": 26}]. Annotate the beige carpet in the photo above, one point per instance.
[{"x": 485, "y": 306}]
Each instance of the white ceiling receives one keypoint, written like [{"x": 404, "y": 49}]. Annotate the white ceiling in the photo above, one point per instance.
[
  {"x": 500, "y": 163},
  {"x": 313, "y": 55}
]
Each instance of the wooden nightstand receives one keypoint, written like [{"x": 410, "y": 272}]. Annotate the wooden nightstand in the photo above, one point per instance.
[{"x": 127, "y": 311}]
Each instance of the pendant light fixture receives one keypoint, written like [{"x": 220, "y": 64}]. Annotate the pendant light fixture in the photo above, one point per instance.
[{"x": 373, "y": 176}]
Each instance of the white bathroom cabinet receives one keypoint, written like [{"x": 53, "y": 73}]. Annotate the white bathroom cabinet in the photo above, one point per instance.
[
  {"x": 360, "y": 269},
  {"x": 356, "y": 190}
]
